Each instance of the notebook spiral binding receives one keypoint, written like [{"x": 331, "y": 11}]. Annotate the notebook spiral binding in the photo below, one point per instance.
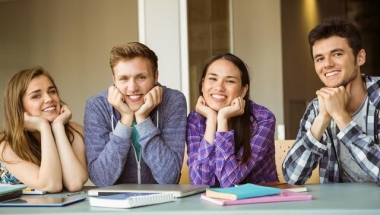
[{"x": 152, "y": 199}]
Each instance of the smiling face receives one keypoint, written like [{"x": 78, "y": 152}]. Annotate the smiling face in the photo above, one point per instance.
[
  {"x": 222, "y": 84},
  {"x": 41, "y": 99},
  {"x": 335, "y": 63},
  {"x": 134, "y": 78}
]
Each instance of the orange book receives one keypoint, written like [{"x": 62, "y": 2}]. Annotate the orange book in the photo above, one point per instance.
[{"x": 286, "y": 186}]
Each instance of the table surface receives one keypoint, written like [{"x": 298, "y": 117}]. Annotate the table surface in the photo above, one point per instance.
[{"x": 334, "y": 198}]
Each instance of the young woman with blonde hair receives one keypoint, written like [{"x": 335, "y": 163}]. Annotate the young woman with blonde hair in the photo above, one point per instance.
[{"x": 39, "y": 146}]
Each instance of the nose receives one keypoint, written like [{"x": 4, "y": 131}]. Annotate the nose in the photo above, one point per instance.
[
  {"x": 219, "y": 86},
  {"x": 48, "y": 98},
  {"x": 132, "y": 86},
  {"x": 328, "y": 62}
]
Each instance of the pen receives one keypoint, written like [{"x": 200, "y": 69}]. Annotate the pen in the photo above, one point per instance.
[{"x": 76, "y": 193}]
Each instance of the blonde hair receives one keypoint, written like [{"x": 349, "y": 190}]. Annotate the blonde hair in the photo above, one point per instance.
[{"x": 22, "y": 142}]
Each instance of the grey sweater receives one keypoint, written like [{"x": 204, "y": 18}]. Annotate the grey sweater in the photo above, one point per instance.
[{"x": 109, "y": 150}]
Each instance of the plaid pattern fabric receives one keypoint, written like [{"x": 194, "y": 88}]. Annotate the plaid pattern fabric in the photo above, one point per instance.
[
  {"x": 307, "y": 152},
  {"x": 217, "y": 165}
]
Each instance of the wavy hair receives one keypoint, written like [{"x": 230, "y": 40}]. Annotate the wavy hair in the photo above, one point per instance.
[{"x": 22, "y": 142}]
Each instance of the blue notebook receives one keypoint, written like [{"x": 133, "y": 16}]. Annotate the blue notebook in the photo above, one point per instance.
[
  {"x": 242, "y": 192},
  {"x": 131, "y": 200}
]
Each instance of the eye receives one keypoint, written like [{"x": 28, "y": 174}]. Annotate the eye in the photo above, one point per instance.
[
  {"x": 211, "y": 78},
  {"x": 230, "y": 81},
  {"x": 337, "y": 54},
  {"x": 142, "y": 77},
  {"x": 36, "y": 96},
  {"x": 318, "y": 59},
  {"x": 52, "y": 91}
]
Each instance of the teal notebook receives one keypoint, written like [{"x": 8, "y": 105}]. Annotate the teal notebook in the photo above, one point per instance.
[
  {"x": 8, "y": 188},
  {"x": 8, "y": 191},
  {"x": 242, "y": 192}
]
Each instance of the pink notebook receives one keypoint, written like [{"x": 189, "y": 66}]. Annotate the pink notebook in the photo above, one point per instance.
[{"x": 285, "y": 196}]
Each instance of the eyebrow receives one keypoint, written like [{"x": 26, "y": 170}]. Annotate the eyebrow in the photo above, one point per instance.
[
  {"x": 39, "y": 90},
  {"x": 213, "y": 74},
  {"x": 146, "y": 73},
  {"x": 332, "y": 51}
]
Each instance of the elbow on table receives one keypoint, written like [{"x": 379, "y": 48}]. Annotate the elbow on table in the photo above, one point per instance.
[
  {"x": 75, "y": 185},
  {"x": 53, "y": 188}
]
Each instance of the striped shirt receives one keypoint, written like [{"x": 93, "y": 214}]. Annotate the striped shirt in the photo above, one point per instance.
[
  {"x": 307, "y": 152},
  {"x": 217, "y": 165}
]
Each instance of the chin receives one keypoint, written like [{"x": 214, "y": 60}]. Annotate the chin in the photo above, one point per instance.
[
  {"x": 134, "y": 108},
  {"x": 215, "y": 108},
  {"x": 50, "y": 119}
]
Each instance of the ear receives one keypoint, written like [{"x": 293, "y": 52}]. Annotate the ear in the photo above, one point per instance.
[
  {"x": 244, "y": 90},
  {"x": 156, "y": 77},
  {"x": 360, "y": 59}
]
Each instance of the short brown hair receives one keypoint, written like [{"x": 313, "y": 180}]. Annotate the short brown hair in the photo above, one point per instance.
[
  {"x": 337, "y": 26},
  {"x": 131, "y": 50}
]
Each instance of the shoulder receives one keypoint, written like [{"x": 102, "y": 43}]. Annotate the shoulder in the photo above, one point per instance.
[
  {"x": 172, "y": 94},
  {"x": 6, "y": 152},
  {"x": 98, "y": 105},
  {"x": 373, "y": 89},
  {"x": 173, "y": 99},
  {"x": 260, "y": 112},
  {"x": 98, "y": 98},
  {"x": 195, "y": 117}
]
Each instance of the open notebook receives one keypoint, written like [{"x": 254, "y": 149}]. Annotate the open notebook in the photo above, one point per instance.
[{"x": 179, "y": 190}]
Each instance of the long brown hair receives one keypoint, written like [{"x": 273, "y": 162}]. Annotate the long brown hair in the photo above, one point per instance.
[
  {"x": 22, "y": 142},
  {"x": 241, "y": 125}
]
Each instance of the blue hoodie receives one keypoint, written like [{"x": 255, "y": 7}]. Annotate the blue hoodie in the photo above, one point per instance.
[{"x": 109, "y": 150}]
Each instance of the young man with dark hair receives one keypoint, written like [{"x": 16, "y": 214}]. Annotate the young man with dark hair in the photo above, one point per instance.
[{"x": 339, "y": 130}]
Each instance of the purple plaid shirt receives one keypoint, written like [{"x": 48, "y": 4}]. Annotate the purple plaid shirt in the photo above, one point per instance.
[{"x": 217, "y": 165}]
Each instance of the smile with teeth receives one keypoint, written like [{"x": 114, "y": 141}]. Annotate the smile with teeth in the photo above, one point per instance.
[
  {"x": 218, "y": 96},
  {"x": 329, "y": 74},
  {"x": 49, "y": 109},
  {"x": 134, "y": 97}
]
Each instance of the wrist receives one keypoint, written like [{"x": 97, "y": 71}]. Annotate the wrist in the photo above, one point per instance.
[
  {"x": 127, "y": 120},
  {"x": 342, "y": 120}
]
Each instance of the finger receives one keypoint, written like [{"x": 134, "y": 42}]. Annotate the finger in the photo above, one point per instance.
[
  {"x": 153, "y": 94},
  {"x": 201, "y": 100},
  {"x": 243, "y": 104},
  {"x": 148, "y": 98},
  {"x": 324, "y": 93}
]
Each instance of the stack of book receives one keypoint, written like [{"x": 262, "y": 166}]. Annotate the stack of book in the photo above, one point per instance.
[
  {"x": 8, "y": 192},
  {"x": 252, "y": 194}
]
